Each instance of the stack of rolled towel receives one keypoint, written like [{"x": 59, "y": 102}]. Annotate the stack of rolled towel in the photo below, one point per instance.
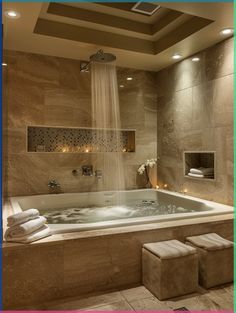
[
  {"x": 26, "y": 227},
  {"x": 201, "y": 172}
]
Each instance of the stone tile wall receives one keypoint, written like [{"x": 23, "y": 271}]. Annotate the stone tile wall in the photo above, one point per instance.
[
  {"x": 45, "y": 90},
  {"x": 195, "y": 113}
]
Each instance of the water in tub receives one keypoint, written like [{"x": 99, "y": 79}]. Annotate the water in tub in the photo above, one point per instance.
[{"x": 132, "y": 209}]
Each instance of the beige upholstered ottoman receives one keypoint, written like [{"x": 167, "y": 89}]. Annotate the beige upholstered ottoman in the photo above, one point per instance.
[
  {"x": 169, "y": 268},
  {"x": 215, "y": 259}
]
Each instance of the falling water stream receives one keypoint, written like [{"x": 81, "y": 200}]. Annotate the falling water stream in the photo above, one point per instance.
[{"x": 106, "y": 117}]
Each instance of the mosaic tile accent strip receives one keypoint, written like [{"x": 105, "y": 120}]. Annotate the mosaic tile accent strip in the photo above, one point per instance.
[{"x": 80, "y": 140}]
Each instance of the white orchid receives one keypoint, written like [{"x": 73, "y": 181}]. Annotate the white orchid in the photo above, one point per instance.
[{"x": 149, "y": 163}]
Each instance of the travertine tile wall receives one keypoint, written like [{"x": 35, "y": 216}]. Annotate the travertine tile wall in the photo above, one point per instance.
[
  {"x": 195, "y": 112},
  {"x": 44, "y": 90}
]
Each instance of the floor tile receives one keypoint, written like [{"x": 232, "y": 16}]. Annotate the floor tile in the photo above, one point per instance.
[
  {"x": 117, "y": 306},
  {"x": 149, "y": 304},
  {"x": 223, "y": 297},
  {"x": 87, "y": 303},
  {"x": 136, "y": 293},
  {"x": 196, "y": 303}
]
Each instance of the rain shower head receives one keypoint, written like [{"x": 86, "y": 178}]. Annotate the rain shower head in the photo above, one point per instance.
[{"x": 102, "y": 57}]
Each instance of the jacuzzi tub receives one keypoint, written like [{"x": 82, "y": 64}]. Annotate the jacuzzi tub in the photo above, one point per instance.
[{"x": 171, "y": 206}]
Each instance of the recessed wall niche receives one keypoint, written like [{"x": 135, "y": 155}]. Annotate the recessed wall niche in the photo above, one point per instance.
[
  {"x": 199, "y": 165},
  {"x": 79, "y": 140}
]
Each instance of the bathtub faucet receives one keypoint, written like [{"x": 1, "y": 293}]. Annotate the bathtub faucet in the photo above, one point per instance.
[
  {"x": 53, "y": 184},
  {"x": 98, "y": 174}
]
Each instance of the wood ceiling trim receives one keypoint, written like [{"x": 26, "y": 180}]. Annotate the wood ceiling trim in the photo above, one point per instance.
[
  {"x": 99, "y": 18},
  {"x": 181, "y": 32},
  {"x": 92, "y": 36}
]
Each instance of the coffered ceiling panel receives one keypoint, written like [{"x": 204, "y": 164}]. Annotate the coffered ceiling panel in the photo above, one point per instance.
[{"x": 76, "y": 30}]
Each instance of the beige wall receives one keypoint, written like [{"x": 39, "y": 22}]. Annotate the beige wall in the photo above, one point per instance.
[
  {"x": 195, "y": 112},
  {"x": 43, "y": 90}
]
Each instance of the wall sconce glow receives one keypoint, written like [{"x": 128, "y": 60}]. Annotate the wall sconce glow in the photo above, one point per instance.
[
  {"x": 129, "y": 78},
  {"x": 87, "y": 150},
  {"x": 176, "y": 56},
  {"x": 165, "y": 185},
  {"x": 157, "y": 187},
  {"x": 122, "y": 86},
  {"x": 195, "y": 59},
  {"x": 4, "y": 64},
  {"x": 227, "y": 31},
  {"x": 12, "y": 14}
]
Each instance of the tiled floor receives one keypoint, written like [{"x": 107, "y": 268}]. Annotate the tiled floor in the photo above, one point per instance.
[{"x": 139, "y": 298}]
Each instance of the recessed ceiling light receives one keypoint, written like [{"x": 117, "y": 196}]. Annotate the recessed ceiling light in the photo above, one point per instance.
[
  {"x": 227, "y": 31},
  {"x": 122, "y": 86},
  {"x": 176, "y": 56},
  {"x": 4, "y": 64},
  {"x": 129, "y": 78},
  {"x": 12, "y": 14},
  {"x": 195, "y": 59}
]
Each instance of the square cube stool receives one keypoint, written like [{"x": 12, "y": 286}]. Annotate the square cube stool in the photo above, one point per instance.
[
  {"x": 169, "y": 268},
  {"x": 215, "y": 259}
]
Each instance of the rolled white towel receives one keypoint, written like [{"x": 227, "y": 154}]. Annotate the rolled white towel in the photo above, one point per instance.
[
  {"x": 196, "y": 175},
  {"x": 202, "y": 170},
  {"x": 201, "y": 175},
  {"x": 40, "y": 233},
  {"x": 25, "y": 228},
  {"x": 22, "y": 217}
]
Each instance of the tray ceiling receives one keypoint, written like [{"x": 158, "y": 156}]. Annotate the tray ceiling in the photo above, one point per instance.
[{"x": 76, "y": 30}]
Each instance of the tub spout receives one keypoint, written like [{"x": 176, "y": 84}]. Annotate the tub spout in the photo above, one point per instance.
[{"x": 98, "y": 174}]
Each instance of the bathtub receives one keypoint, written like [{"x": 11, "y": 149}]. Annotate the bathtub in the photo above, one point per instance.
[{"x": 197, "y": 207}]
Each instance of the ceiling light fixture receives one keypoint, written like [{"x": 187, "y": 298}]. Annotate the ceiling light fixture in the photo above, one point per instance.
[
  {"x": 129, "y": 78},
  {"x": 227, "y": 31},
  {"x": 176, "y": 56},
  {"x": 195, "y": 59},
  {"x": 12, "y": 14}
]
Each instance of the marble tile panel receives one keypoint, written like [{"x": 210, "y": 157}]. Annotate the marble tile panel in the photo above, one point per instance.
[
  {"x": 28, "y": 277},
  {"x": 187, "y": 74},
  {"x": 16, "y": 142},
  {"x": 223, "y": 101},
  {"x": 183, "y": 109},
  {"x": 202, "y": 106},
  {"x": 219, "y": 60},
  {"x": 70, "y": 76},
  {"x": 25, "y": 104},
  {"x": 41, "y": 69}
]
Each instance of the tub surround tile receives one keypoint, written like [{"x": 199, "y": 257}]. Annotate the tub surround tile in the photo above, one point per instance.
[
  {"x": 93, "y": 261},
  {"x": 219, "y": 60},
  {"x": 59, "y": 95},
  {"x": 195, "y": 112}
]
